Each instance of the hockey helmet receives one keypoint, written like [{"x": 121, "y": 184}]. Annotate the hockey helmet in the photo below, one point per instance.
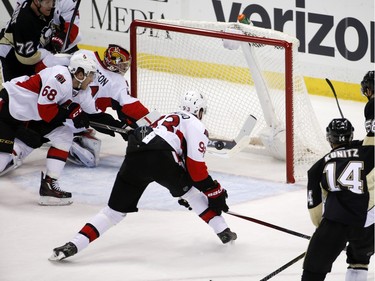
[
  {"x": 117, "y": 59},
  {"x": 193, "y": 102},
  {"x": 339, "y": 131},
  {"x": 368, "y": 83},
  {"x": 81, "y": 61}
]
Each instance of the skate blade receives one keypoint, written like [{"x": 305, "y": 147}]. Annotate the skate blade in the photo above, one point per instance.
[
  {"x": 53, "y": 201},
  {"x": 58, "y": 257}
]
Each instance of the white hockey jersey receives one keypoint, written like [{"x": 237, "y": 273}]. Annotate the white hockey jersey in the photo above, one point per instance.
[
  {"x": 38, "y": 97},
  {"x": 187, "y": 135},
  {"x": 108, "y": 87},
  {"x": 65, "y": 9}
]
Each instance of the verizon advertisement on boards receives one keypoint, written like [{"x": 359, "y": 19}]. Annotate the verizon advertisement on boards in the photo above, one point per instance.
[{"x": 336, "y": 36}]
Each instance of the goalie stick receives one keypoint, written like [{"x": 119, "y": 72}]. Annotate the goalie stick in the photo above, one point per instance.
[
  {"x": 75, "y": 12},
  {"x": 230, "y": 145}
]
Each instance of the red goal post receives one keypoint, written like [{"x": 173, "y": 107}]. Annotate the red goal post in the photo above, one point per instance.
[{"x": 166, "y": 53}]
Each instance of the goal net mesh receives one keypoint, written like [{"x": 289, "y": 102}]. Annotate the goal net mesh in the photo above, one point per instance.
[{"x": 169, "y": 63}]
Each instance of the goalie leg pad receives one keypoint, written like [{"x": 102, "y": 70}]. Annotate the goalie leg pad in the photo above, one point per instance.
[
  {"x": 81, "y": 156},
  {"x": 85, "y": 151},
  {"x": 93, "y": 144}
]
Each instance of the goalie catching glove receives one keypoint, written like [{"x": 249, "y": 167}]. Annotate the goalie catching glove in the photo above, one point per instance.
[{"x": 217, "y": 198}]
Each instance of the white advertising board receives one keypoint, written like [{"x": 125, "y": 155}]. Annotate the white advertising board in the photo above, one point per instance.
[{"x": 336, "y": 36}]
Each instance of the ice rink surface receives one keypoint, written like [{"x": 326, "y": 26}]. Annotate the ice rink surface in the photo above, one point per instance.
[{"x": 163, "y": 241}]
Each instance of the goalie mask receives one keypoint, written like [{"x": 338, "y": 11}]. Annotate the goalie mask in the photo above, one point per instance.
[
  {"x": 117, "y": 59},
  {"x": 339, "y": 131},
  {"x": 193, "y": 102}
]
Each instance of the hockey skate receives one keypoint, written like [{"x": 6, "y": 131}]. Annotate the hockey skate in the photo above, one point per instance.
[
  {"x": 63, "y": 252},
  {"x": 227, "y": 235},
  {"x": 51, "y": 194},
  {"x": 12, "y": 165}
]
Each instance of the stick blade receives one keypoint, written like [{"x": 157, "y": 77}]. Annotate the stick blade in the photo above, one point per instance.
[{"x": 239, "y": 143}]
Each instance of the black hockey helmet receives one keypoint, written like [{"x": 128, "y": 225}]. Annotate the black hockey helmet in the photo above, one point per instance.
[
  {"x": 339, "y": 131},
  {"x": 368, "y": 82}
]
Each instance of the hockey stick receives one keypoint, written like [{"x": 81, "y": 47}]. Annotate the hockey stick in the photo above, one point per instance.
[
  {"x": 111, "y": 128},
  {"x": 334, "y": 93},
  {"x": 270, "y": 225},
  {"x": 219, "y": 144},
  {"x": 75, "y": 12},
  {"x": 285, "y": 266},
  {"x": 229, "y": 147}
]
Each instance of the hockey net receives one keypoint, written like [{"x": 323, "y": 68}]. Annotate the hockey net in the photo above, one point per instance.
[{"x": 241, "y": 70}]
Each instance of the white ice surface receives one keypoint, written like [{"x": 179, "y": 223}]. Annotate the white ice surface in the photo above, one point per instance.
[{"x": 163, "y": 241}]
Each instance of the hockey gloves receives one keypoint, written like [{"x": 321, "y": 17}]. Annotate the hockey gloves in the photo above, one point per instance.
[
  {"x": 57, "y": 44},
  {"x": 217, "y": 198},
  {"x": 79, "y": 118},
  {"x": 58, "y": 37}
]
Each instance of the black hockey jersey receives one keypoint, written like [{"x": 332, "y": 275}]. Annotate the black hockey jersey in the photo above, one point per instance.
[
  {"x": 26, "y": 33},
  {"x": 343, "y": 181},
  {"x": 369, "y": 117}
]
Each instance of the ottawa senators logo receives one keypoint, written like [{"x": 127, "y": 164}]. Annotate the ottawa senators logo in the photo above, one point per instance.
[{"x": 60, "y": 78}]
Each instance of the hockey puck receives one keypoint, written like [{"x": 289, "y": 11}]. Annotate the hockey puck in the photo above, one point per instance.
[{"x": 219, "y": 145}]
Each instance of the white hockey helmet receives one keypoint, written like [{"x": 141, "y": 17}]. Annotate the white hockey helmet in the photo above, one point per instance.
[
  {"x": 80, "y": 60},
  {"x": 193, "y": 102}
]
